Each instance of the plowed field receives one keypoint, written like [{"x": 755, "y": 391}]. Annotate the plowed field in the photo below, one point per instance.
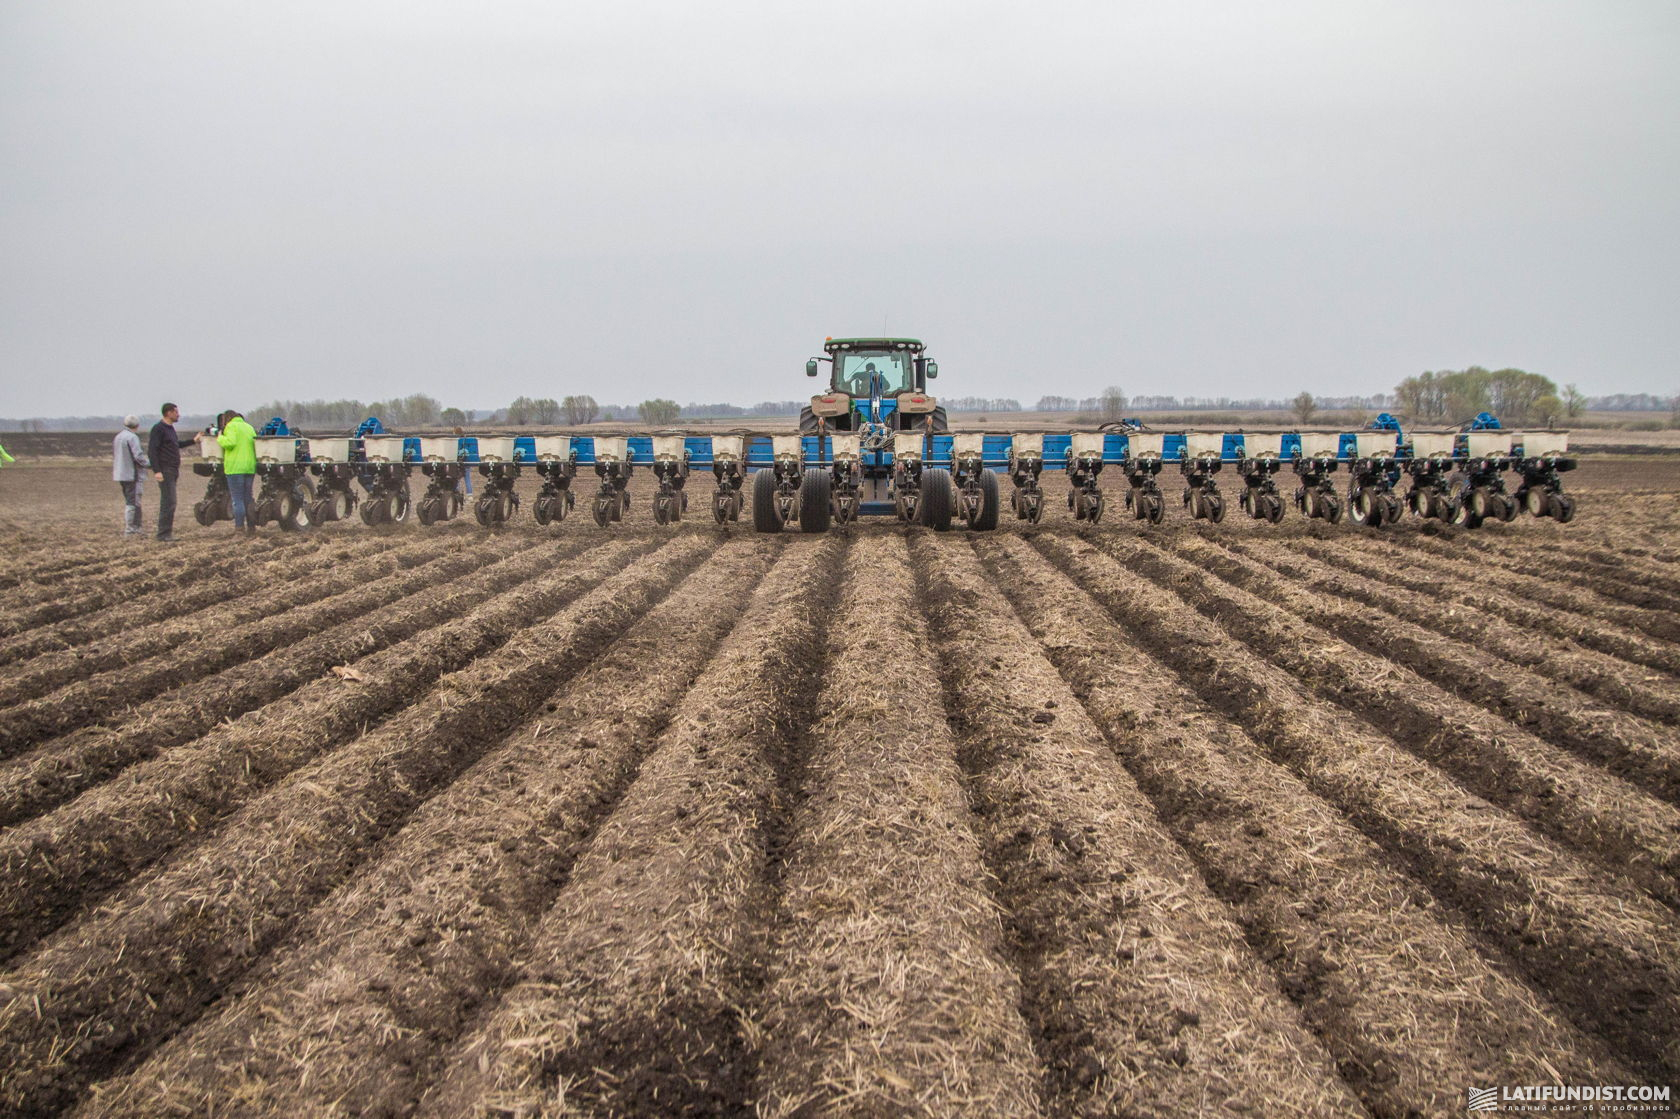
[{"x": 1290, "y": 820}]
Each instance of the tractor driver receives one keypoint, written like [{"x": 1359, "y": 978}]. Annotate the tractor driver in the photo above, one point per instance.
[{"x": 864, "y": 382}]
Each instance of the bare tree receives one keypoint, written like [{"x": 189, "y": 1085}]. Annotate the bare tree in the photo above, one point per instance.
[
  {"x": 545, "y": 410},
  {"x": 1304, "y": 406},
  {"x": 521, "y": 411},
  {"x": 1574, "y": 401},
  {"x": 1113, "y": 404},
  {"x": 580, "y": 409}
]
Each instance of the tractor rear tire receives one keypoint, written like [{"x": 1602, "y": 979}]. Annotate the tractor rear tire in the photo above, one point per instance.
[
  {"x": 937, "y": 421},
  {"x": 815, "y": 507},
  {"x": 939, "y": 498},
  {"x": 989, "y": 502},
  {"x": 807, "y": 421},
  {"x": 765, "y": 517}
]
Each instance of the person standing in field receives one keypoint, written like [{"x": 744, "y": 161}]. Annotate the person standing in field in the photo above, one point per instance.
[
  {"x": 128, "y": 470},
  {"x": 163, "y": 448},
  {"x": 239, "y": 464}
]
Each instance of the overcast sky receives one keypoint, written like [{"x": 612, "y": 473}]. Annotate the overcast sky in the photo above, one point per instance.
[{"x": 226, "y": 203}]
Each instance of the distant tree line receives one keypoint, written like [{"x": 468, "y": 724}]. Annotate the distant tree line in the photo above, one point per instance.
[{"x": 1515, "y": 396}]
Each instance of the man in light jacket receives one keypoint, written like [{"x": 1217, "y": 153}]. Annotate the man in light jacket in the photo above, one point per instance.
[{"x": 128, "y": 470}]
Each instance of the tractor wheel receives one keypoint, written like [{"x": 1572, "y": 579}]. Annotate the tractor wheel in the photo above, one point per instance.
[
  {"x": 765, "y": 517},
  {"x": 487, "y": 510},
  {"x": 1481, "y": 504},
  {"x": 1330, "y": 508},
  {"x": 603, "y": 508},
  {"x": 620, "y": 505},
  {"x": 402, "y": 503},
  {"x": 297, "y": 509},
  {"x": 726, "y": 506},
  {"x": 1536, "y": 501},
  {"x": 807, "y": 421},
  {"x": 1214, "y": 506},
  {"x": 340, "y": 504},
  {"x": 430, "y": 507},
  {"x": 1361, "y": 505},
  {"x": 1152, "y": 507},
  {"x": 1561, "y": 507},
  {"x": 938, "y": 421},
  {"x": 543, "y": 508},
  {"x": 989, "y": 502},
  {"x": 676, "y": 504},
  {"x": 203, "y": 514},
  {"x": 1507, "y": 508},
  {"x": 1464, "y": 512},
  {"x": 815, "y": 508},
  {"x": 1421, "y": 501},
  {"x": 1271, "y": 507},
  {"x": 939, "y": 498},
  {"x": 1393, "y": 508},
  {"x": 376, "y": 512}
]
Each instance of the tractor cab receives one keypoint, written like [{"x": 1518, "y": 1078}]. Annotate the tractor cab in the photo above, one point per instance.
[{"x": 874, "y": 383}]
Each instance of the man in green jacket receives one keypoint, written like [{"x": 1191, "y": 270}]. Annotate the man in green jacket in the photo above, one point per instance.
[{"x": 239, "y": 464}]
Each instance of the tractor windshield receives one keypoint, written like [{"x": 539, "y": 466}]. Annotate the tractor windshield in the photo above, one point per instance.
[{"x": 893, "y": 371}]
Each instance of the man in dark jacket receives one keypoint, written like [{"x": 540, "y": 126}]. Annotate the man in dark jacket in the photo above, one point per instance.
[{"x": 164, "y": 451}]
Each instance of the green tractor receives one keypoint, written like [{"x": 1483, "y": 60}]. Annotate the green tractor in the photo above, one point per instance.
[{"x": 876, "y": 386}]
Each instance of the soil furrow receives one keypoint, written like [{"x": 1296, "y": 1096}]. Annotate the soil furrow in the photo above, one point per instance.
[
  {"x": 1102, "y": 904},
  {"x": 66, "y": 766},
  {"x": 237, "y": 632},
  {"x": 147, "y": 571},
  {"x": 1628, "y": 830},
  {"x": 884, "y": 880},
  {"x": 1639, "y": 752},
  {"x": 107, "y": 991},
  {"x": 130, "y": 646},
  {"x": 139, "y": 628},
  {"x": 157, "y": 583},
  {"x": 1647, "y": 589},
  {"x": 1609, "y": 955},
  {"x": 1400, "y": 994},
  {"x": 1630, "y": 646},
  {"x": 408, "y": 949},
  {"x": 1534, "y": 581},
  {"x": 633, "y": 991},
  {"x": 57, "y": 864},
  {"x": 1607, "y": 678}
]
